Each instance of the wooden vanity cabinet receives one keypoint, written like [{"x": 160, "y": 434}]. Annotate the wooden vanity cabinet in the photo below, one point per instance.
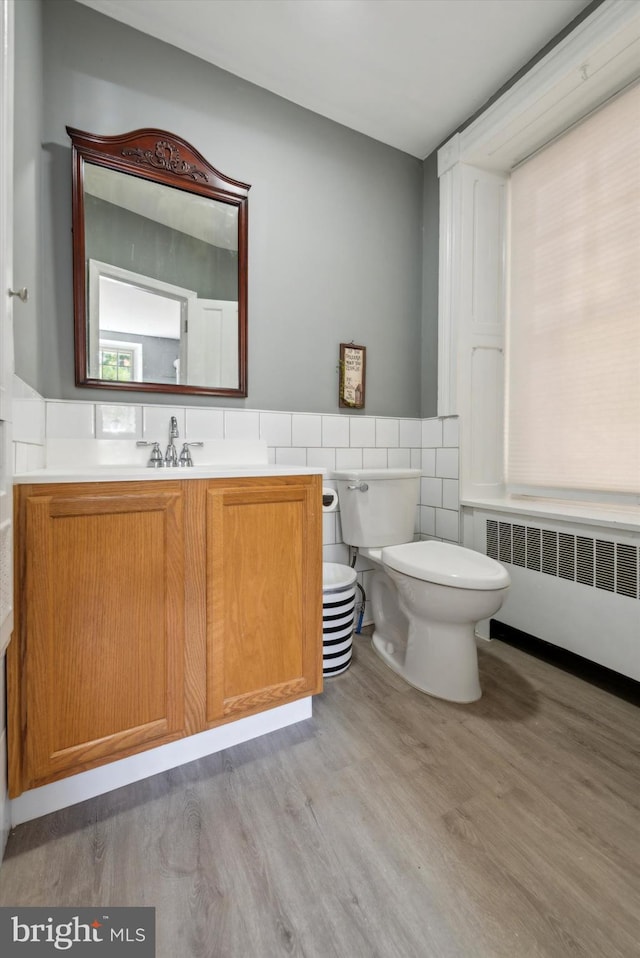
[
  {"x": 264, "y": 594},
  {"x": 97, "y": 656},
  {"x": 148, "y": 611}
]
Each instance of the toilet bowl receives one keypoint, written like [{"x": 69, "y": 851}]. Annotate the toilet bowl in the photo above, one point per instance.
[
  {"x": 442, "y": 591},
  {"x": 426, "y": 596}
]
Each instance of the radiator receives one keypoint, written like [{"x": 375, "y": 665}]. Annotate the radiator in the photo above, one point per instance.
[{"x": 570, "y": 587}]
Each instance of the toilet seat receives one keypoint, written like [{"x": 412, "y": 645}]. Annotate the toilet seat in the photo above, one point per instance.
[{"x": 446, "y": 564}]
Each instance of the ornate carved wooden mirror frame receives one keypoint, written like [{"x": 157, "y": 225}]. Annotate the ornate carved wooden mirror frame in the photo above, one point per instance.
[{"x": 165, "y": 159}]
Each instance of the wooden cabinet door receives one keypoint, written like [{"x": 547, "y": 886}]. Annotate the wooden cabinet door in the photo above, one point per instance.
[
  {"x": 264, "y": 588},
  {"x": 100, "y": 649}
]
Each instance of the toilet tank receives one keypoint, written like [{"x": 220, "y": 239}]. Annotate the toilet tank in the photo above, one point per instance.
[{"x": 383, "y": 513}]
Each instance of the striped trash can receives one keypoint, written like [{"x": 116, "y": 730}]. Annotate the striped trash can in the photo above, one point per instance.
[{"x": 338, "y": 613}]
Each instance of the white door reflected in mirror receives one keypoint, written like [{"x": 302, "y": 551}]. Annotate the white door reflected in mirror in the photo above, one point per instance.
[{"x": 143, "y": 330}]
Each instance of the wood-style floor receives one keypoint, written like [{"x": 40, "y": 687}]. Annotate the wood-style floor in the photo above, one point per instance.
[{"x": 391, "y": 825}]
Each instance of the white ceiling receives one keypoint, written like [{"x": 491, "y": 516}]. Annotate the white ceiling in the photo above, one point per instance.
[{"x": 405, "y": 72}]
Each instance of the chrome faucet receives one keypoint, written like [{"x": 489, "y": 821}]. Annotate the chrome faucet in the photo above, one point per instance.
[
  {"x": 171, "y": 455},
  {"x": 170, "y": 458}
]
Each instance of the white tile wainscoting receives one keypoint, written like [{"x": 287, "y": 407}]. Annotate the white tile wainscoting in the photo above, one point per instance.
[{"x": 295, "y": 439}]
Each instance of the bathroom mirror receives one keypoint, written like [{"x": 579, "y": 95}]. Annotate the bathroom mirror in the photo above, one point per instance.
[{"x": 159, "y": 267}]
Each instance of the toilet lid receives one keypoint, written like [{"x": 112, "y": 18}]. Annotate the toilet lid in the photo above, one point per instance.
[{"x": 446, "y": 564}]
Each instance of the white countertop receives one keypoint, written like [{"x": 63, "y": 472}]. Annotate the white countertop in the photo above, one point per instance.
[
  {"x": 108, "y": 460},
  {"x": 124, "y": 473}
]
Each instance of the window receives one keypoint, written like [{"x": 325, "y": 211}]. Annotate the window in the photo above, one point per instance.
[
  {"x": 116, "y": 365},
  {"x": 573, "y": 333},
  {"x": 119, "y": 361}
]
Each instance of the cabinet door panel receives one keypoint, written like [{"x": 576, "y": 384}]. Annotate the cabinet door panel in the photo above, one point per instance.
[
  {"x": 104, "y": 621},
  {"x": 265, "y": 595}
]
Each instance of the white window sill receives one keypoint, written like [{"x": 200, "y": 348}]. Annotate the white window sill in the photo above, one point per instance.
[{"x": 611, "y": 516}]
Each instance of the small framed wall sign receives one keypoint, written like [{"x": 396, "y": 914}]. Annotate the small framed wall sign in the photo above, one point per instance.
[{"x": 352, "y": 375}]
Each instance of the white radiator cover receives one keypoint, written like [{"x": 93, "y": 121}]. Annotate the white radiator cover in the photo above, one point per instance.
[{"x": 599, "y": 621}]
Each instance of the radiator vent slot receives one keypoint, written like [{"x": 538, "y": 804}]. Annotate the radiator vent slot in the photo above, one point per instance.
[
  {"x": 585, "y": 556},
  {"x": 600, "y": 563},
  {"x": 627, "y": 574},
  {"x": 549, "y": 552},
  {"x": 534, "y": 538},
  {"x": 605, "y": 566}
]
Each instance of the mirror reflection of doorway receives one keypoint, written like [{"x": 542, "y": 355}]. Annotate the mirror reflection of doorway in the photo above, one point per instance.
[
  {"x": 135, "y": 326},
  {"x": 143, "y": 330}
]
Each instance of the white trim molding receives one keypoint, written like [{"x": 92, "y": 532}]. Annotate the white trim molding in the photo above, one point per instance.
[{"x": 593, "y": 63}]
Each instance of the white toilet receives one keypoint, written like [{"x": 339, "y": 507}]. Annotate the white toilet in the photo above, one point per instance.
[{"x": 426, "y": 596}]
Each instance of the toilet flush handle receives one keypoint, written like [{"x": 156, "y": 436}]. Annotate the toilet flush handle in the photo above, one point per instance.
[{"x": 359, "y": 486}]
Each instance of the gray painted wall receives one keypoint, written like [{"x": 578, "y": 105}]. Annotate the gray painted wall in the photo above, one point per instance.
[
  {"x": 335, "y": 218},
  {"x": 122, "y": 238}
]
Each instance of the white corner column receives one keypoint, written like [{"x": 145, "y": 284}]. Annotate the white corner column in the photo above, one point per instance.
[{"x": 471, "y": 321}]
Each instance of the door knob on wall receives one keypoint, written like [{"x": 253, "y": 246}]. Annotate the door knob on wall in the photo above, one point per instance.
[{"x": 22, "y": 293}]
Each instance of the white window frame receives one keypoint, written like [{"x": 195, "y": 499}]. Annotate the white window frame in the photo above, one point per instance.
[
  {"x": 591, "y": 64},
  {"x": 134, "y": 348}
]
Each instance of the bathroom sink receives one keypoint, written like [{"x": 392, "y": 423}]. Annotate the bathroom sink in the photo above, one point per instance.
[{"x": 115, "y": 460}]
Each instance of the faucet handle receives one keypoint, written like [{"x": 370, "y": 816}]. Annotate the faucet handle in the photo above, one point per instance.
[
  {"x": 185, "y": 453},
  {"x": 156, "y": 453},
  {"x": 155, "y": 459}
]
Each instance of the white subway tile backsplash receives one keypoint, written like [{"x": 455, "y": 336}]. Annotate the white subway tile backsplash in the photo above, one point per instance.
[
  {"x": 447, "y": 525},
  {"x": 20, "y": 457},
  {"x": 374, "y": 459},
  {"x": 28, "y": 420},
  {"x": 447, "y": 463},
  {"x": 410, "y": 432},
  {"x": 306, "y": 430},
  {"x": 450, "y": 498},
  {"x": 70, "y": 420},
  {"x": 118, "y": 421},
  {"x": 323, "y": 458},
  {"x": 204, "y": 424},
  {"x": 450, "y": 431},
  {"x": 431, "y": 433},
  {"x": 296, "y": 439},
  {"x": 362, "y": 431},
  {"x": 288, "y": 456},
  {"x": 387, "y": 432},
  {"x": 348, "y": 458},
  {"x": 430, "y": 492},
  {"x": 335, "y": 431},
  {"x": 329, "y": 528},
  {"x": 239, "y": 424},
  {"x": 275, "y": 428},
  {"x": 35, "y": 457},
  {"x": 428, "y": 462},
  {"x": 427, "y": 520},
  {"x": 337, "y": 552},
  {"x": 156, "y": 422},
  {"x": 399, "y": 458}
]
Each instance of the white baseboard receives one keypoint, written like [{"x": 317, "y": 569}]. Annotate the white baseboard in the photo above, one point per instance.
[{"x": 78, "y": 788}]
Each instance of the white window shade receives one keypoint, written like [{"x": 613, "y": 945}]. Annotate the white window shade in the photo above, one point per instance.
[{"x": 573, "y": 390}]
